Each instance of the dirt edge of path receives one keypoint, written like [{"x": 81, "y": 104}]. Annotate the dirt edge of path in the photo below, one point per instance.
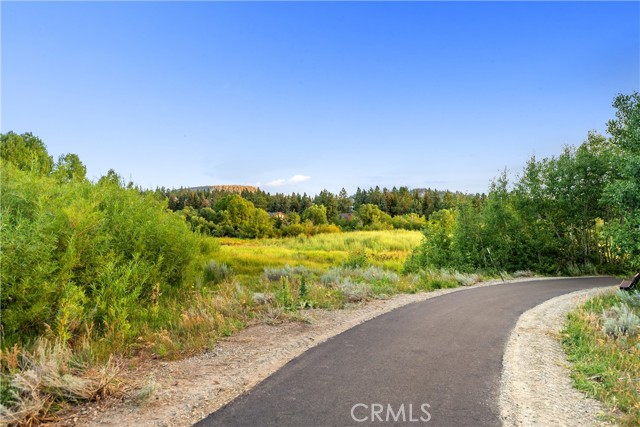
[
  {"x": 535, "y": 387},
  {"x": 188, "y": 390}
]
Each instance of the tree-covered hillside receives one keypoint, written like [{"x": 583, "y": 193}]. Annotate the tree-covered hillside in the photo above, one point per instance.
[{"x": 207, "y": 210}]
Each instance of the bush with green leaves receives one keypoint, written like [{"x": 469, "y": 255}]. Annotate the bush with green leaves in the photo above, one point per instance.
[
  {"x": 373, "y": 218},
  {"x": 284, "y": 296},
  {"x": 357, "y": 259},
  {"x": 575, "y": 213},
  {"x": 26, "y": 152},
  {"x": 429, "y": 279},
  {"x": 317, "y": 214},
  {"x": 410, "y": 221},
  {"x": 622, "y": 192},
  {"x": 80, "y": 256}
]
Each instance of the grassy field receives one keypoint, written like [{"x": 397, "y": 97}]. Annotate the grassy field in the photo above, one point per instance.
[
  {"x": 386, "y": 249},
  {"x": 602, "y": 340},
  {"x": 325, "y": 271}
]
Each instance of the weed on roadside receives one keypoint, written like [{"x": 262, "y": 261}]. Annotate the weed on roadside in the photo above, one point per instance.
[{"x": 601, "y": 341}]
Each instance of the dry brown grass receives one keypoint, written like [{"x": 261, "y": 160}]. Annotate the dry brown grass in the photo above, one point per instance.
[{"x": 50, "y": 376}]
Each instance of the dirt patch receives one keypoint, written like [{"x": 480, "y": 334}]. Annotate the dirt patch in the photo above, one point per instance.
[
  {"x": 535, "y": 386},
  {"x": 190, "y": 389}
]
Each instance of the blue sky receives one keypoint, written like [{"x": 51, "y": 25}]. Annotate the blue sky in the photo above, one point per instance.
[{"x": 301, "y": 96}]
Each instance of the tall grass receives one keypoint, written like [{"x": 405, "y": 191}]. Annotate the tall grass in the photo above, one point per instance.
[
  {"x": 379, "y": 241},
  {"x": 387, "y": 249}
]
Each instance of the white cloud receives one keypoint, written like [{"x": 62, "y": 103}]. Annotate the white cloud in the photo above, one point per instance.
[
  {"x": 294, "y": 180},
  {"x": 276, "y": 183}
]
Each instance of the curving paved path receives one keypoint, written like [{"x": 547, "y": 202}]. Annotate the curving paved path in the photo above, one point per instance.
[{"x": 435, "y": 363}]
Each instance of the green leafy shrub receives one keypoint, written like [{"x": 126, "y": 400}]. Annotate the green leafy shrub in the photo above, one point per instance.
[
  {"x": 427, "y": 280},
  {"x": 574, "y": 213},
  {"x": 357, "y": 259},
  {"x": 304, "y": 289},
  {"x": 409, "y": 222},
  {"x": 78, "y": 254},
  {"x": 284, "y": 296}
]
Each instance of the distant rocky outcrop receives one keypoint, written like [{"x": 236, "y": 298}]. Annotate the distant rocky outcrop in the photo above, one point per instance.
[{"x": 227, "y": 188}]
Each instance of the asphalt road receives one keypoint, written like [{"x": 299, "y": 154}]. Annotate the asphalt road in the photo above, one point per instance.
[{"x": 434, "y": 363}]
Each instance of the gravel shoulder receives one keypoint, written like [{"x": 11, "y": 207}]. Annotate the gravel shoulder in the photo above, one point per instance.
[
  {"x": 188, "y": 390},
  {"x": 536, "y": 389}
]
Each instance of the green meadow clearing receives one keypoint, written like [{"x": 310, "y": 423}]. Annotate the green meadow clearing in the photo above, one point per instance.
[{"x": 387, "y": 249}]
